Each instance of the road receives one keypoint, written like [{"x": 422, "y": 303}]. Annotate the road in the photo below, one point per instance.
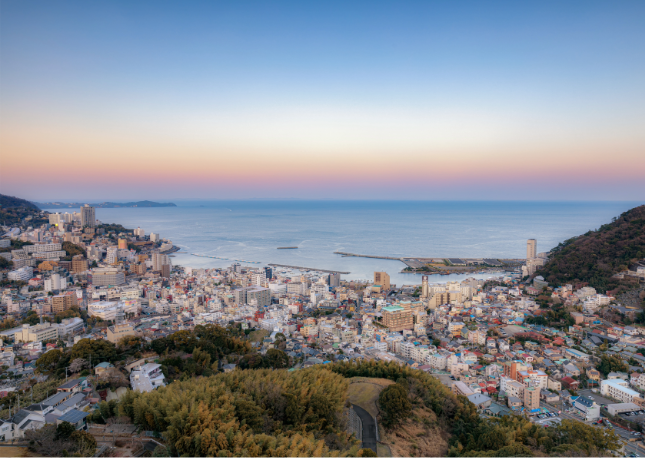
[{"x": 369, "y": 428}]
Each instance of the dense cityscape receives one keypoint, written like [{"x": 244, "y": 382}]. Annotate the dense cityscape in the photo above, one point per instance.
[{"x": 92, "y": 310}]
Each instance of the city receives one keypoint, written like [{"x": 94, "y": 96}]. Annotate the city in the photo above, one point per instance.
[{"x": 512, "y": 344}]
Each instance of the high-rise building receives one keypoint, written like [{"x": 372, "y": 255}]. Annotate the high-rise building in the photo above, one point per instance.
[
  {"x": 531, "y": 398},
  {"x": 154, "y": 237},
  {"x": 531, "y": 249},
  {"x": 88, "y": 216},
  {"x": 158, "y": 261},
  {"x": 268, "y": 272},
  {"x": 63, "y": 302},
  {"x": 123, "y": 244},
  {"x": 79, "y": 263},
  {"x": 112, "y": 255},
  {"x": 382, "y": 279},
  {"x": 165, "y": 270},
  {"x": 334, "y": 280},
  {"x": 425, "y": 291},
  {"x": 54, "y": 219}
]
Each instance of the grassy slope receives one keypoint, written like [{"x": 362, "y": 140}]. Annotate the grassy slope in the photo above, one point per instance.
[
  {"x": 364, "y": 392},
  {"x": 417, "y": 436}
]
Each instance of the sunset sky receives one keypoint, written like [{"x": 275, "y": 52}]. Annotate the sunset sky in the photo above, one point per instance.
[{"x": 360, "y": 100}]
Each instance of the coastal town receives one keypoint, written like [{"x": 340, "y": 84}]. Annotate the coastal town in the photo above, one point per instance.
[{"x": 511, "y": 344}]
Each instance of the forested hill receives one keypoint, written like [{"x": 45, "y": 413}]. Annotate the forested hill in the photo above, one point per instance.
[
  {"x": 15, "y": 211},
  {"x": 15, "y": 202},
  {"x": 597, "y": 255}
]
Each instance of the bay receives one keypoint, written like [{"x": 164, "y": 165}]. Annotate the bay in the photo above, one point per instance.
[{"x": 252, "y": 230}]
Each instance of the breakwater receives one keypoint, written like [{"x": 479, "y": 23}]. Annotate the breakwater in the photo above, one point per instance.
[{"x": 310, "y": 268}]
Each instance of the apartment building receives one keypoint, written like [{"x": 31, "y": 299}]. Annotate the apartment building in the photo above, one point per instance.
[
  {"x": 63, "y": 302},
  {"x": 618, "y": 389},
  {"x": 397, "y": 318},
  {"x": 38, "y": 333},
  {"x": 108, "y": 276}
]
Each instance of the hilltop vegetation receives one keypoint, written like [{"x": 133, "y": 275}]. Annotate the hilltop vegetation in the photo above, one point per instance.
[
  {"x": 248, "y": 413},
  {"x": 73, "y": 250},
  {"x": 14, "y": 210},
  {"x": 597, "y": 255}
]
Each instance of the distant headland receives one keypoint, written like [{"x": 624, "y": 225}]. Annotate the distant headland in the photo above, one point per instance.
[{"x": 143, "y": 203}]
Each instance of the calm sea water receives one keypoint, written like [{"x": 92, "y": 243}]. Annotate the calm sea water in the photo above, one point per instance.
[{"x": 253, "y": 229}]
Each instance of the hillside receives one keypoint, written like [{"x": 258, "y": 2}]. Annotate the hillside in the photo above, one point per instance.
[
  {"x": 13, "y": 202},
  {"x": 140, "y": 204},
  {"x": 597, "y": 255},
  {"x": 13, "y": 211}
]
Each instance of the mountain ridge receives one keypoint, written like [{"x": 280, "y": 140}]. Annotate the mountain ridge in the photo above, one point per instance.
[{"x": 138, "y": 204}]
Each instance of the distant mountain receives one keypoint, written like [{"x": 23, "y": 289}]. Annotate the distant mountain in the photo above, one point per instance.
[
  {"x": 597, "y": 255},
  {"x": 143, "y": 203}
]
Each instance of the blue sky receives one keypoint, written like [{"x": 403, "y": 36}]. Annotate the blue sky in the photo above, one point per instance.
[{"x": 362, "y": 82}]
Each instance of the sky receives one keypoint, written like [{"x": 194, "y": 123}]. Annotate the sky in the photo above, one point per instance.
[{"x": 121, "y": 100}]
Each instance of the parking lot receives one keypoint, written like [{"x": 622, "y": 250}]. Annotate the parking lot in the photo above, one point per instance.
[
  {"x": 636, "y": 417},
  {"x": 601, "y": 401}
]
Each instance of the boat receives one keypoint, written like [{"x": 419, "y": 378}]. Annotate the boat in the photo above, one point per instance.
[{"x": 287, "y": 248}]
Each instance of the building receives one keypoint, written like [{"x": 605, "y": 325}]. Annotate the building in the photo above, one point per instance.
[
  {"x": 63, "y": 302},
  {"x": 618, "y": 389},
  {"x": 531, "y": 398},
  {"x": 154, "y": 237},
  {"x": 159, "y": 260},
  {"x": 147, "y": 377},
  {"x": 118, "y": 331},
  {"x": 38, "y": 333},
  {"x": 253, "y": 295},
  {"x": 88, "y": 216},
  {"x": 70, "y": 326},
  {"x": 108, "y": 310},
  {"x": 462, "y": 388},
  {"x": 22, "y": 274},
  {"x": 382, "y": 279},
  {"x": 108, "y": 276},
  {"x": 615, "y": 409},
  {"x": 123, "y": 244},
  {"x": 587, "y": 408},
  {"x": 531, "y": 249},
  {"x": 79, "y": 264},
  {"x": 52, "y": 283},
  {"x": 334, "y": 280},
  {"x": 397, "y": 318},
  {"x": 165, "y": 271}
]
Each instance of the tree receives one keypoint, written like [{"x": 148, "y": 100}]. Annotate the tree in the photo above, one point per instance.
[
  {"x": 97, "y": 350},
  {"x": 611, "y": 364},
  {"x": 394, "y": 404},
  {"x": 78, "y": 365},
  {"x": 64, "y": 430},
  {"x": 277, "y": 359},
  {"x": 48, "y": 361}
]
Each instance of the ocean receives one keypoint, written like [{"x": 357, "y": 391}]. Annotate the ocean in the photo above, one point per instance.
[{"x": 252, "y": 230}]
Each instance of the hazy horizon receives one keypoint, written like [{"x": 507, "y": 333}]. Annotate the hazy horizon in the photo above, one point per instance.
[{"x": 307, "y": 199}]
